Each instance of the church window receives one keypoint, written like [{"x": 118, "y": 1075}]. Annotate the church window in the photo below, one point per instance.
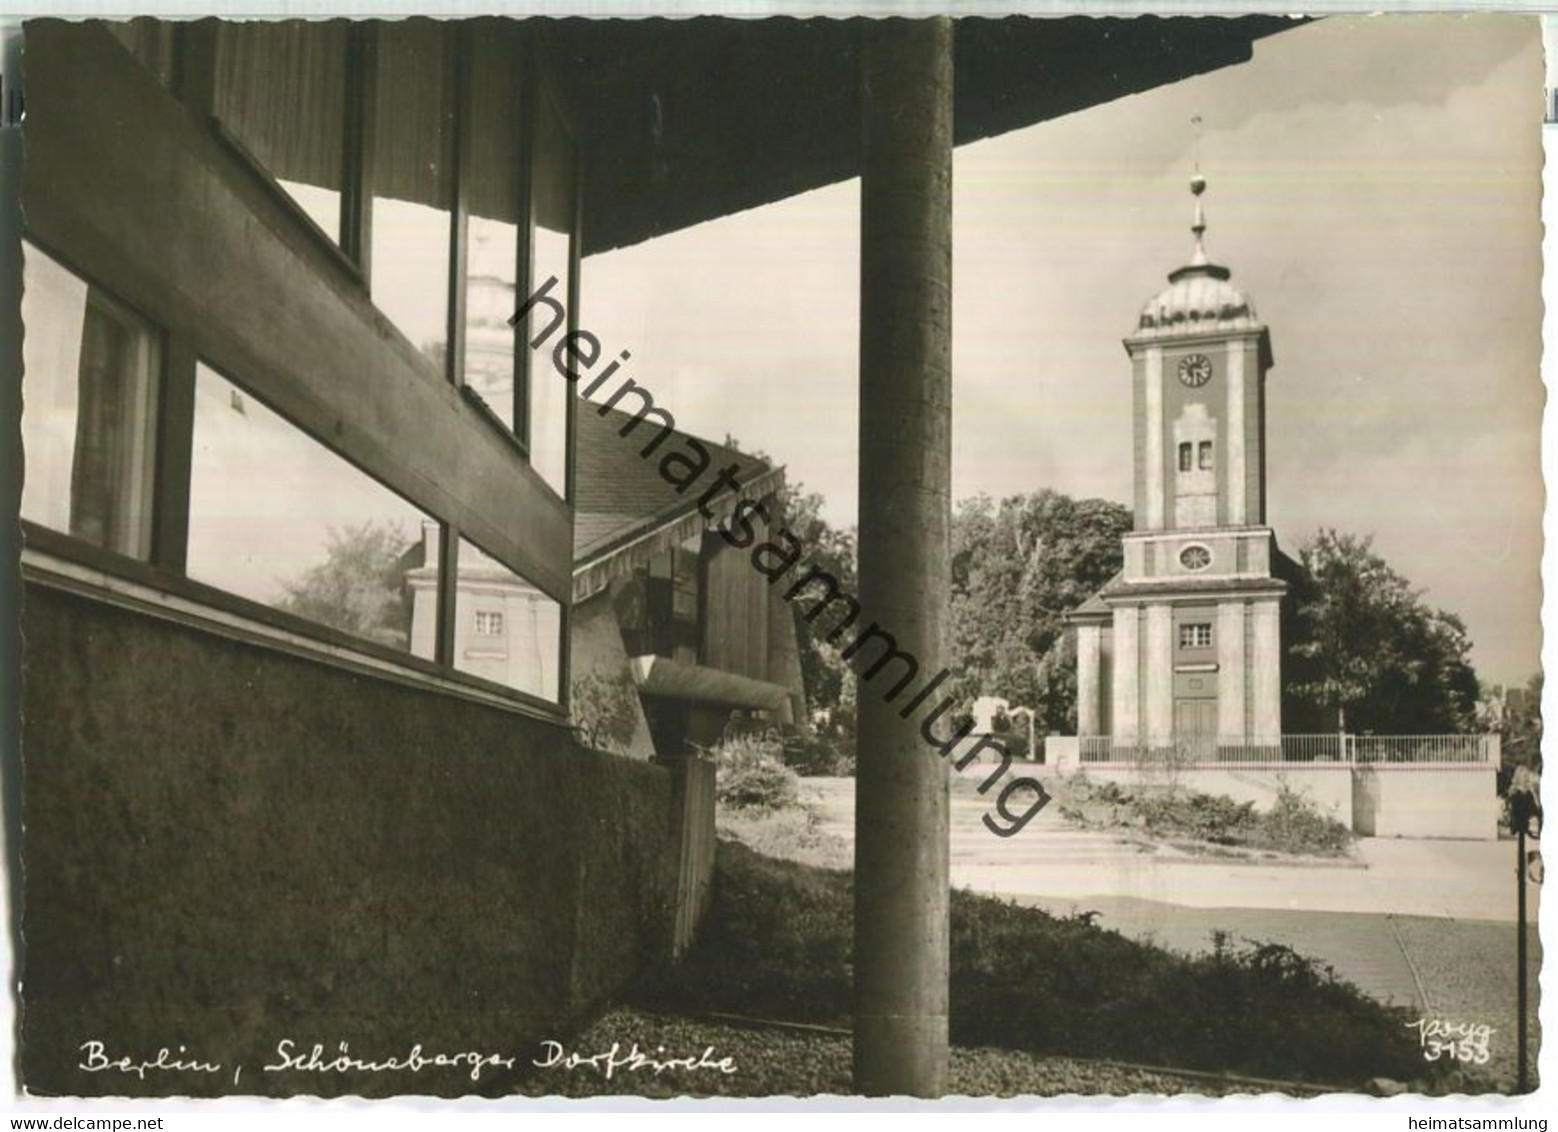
[
  {"x": 1184, "y": 457},
  {"x": 1204, "y": 456},
  {"x": 1197, "y": 635},
  {"x": 489, "y": 624}
]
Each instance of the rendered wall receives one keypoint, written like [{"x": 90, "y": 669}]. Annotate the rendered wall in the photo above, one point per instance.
[
  {"x": 227, "y": 846},
  {"x": 1433, "y": 801},
  {"x": 1446, "y": 800}
]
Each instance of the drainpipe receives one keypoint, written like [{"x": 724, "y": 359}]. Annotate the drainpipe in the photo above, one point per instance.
[{"x": 901, "y": 785}]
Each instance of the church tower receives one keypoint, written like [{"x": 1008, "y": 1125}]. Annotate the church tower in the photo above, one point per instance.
[{"x": 1183, "y": 646}]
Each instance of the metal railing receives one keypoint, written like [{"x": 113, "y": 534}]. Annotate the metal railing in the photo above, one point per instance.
[
  {"x": 1421, "y": 748},
  {"x": 1184, "y": 750}
]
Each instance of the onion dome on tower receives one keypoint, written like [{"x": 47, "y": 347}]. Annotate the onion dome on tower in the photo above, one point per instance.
[{"x": 1199, "y": 298}]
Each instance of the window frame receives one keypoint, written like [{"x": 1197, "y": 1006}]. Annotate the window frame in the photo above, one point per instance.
[
  {"x": 162, "y": 382},
  {"x": 165, "y": 569},
  {"x": 1192, "y": 631}
]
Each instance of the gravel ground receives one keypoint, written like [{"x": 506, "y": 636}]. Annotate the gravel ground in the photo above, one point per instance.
[
  {"x": 1468, "y": 973},
  {"x": 786, "y": 1063}
]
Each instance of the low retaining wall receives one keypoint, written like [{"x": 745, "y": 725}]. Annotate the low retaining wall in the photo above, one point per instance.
[
  {"x": 1426, "y": 800},
  {"x": 1440, "y": 800},
  {"x": 227, "y": 846}
]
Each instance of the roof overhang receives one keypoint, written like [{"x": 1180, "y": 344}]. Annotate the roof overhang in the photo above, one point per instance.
[
  {"x": 683, "y": 121},
  {"x": 596, "y": 571}
]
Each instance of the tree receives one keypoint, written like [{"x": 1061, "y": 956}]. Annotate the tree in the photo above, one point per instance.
[
  {"x": 824, "y": 672},
  {"x": 1017, "y": 569},
  {"x": 1367, "y": 653},
  {"x": 1522, "y": 727},
  {"x": 1517, "y": 717},
  {"x": 360, "y": 586},
  {"x": 604, "y": 710}
]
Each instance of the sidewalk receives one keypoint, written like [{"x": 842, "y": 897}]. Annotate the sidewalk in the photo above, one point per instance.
[
  {"x": 1426, "y": 925},
  {"x": 1462, "y": 880}
]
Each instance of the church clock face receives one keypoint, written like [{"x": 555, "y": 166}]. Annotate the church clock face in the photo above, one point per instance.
[{"x": 1195, "y": 370}]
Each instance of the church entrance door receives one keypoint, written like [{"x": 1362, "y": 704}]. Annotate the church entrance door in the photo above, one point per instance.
[{"x": 1195, "y": 728}]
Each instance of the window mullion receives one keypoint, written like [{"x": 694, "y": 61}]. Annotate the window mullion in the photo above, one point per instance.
[
  {"x": 457, "y": 92},
  {"x": 525, "y": 244},
  {"x": 357, "y": 199},
  {"x": 175, "y": 444},
  {"x": 448, "y": 584}
]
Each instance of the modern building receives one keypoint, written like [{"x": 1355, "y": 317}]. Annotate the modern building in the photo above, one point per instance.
[
  {"x": 1183, "y": 647},
  {"x": 253, "y": 802},
  {"x": 663, "y": 602},
  {"x": 662, "y": 606}
]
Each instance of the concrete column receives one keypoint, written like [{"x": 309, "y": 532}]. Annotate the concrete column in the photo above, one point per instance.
[
  {"x": 1265, "y": 670},
  {"x": 1160, "y": 672},
  {"x": 1230, "y": 671},
  {"x": 901, "y": 786},
  {"x": 1126, "y": 685},
  {"x": 1089, "y": 673}
]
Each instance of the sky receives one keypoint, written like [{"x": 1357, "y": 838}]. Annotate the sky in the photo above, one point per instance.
[{"x": 1374, "y": 185}]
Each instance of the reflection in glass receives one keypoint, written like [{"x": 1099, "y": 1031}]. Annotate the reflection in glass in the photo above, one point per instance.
[
  {"x": 281, "y": 91},
  {"x": 90, "y": 370},
  {"x": 412, "y": 182},
  {"x": 549, "y": 392},
  {"x": 276, "y": 517},
  {"x": 492, "y": 234},
  {"x": 506, "y": 630},
  {"x": 552, "y": 203}
]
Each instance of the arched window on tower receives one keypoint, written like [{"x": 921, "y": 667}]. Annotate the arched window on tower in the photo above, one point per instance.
[{"x": 1204, "y": 457}]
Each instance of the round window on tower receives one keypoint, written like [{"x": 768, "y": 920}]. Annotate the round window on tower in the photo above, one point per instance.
[{"x": 1195, "y": 557}]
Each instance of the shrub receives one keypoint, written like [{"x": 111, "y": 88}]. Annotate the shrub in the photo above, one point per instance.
[
  {"x": 749, "y": 773},
  {"x": 604, "y": 710},
  {"x": 818, "y": 752},
  {"x": 1294, "y": 822},
  {"x": 778, "y": 938},
  {"x": 1205, "y": 817}
]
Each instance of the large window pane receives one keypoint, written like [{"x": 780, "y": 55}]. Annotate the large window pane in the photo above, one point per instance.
[
  {"x": 276, "y": 517},
  {"x": 492, "y": 233},
  {"x": 413, "y": 182},
  {"x": 506, "y": 630},
  {"x": 552, "y": 196},
  {"x": 89, "y": 397},
  {"x": 281, "y": 91}
]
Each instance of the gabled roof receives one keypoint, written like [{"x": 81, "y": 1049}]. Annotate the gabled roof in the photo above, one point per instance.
[{"x": 621, "y": 499}]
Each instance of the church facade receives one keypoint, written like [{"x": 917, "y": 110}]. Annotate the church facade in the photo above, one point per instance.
[{"x": 1183, "y": 646}]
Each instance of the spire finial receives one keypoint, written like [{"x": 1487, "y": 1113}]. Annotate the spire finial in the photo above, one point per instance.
[{"x": 1197, "y": 187}]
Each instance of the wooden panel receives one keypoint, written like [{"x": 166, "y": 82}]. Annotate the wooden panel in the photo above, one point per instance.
[
  {"x": 126, "y": 186},
  {"x": 736, "y": 612}
]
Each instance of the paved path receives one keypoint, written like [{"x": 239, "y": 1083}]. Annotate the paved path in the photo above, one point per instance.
[
  {"x": 1424, "y": 924},
  {"x": 1463, "y": 880}
]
